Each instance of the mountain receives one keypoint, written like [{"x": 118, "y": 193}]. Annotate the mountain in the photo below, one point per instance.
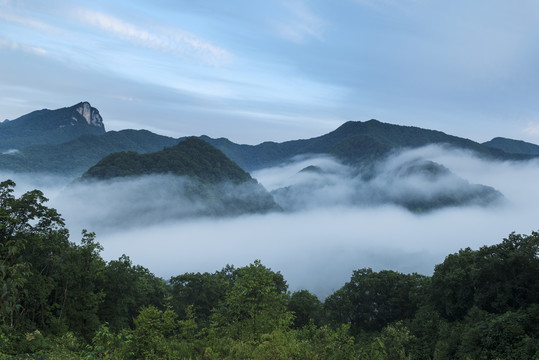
[
  {"x": 191, "y": 157},
  {"x": 511, "y": 146},
  {"x": 75, "y": 157},
  {"x": 353, "y": 142},
  {"x": 205, "y": 178},
  {"x": 50, "y": 126},
  {"x": 418, "y": 185}
]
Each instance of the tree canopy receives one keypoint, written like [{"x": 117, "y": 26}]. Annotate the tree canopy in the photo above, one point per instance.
[{"x": 61, "y": 300}]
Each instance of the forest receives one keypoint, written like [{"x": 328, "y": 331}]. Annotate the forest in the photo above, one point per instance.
[{"x": 60, "y": 299}]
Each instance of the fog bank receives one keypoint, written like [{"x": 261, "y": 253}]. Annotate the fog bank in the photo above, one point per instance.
[{"x": 315, "y": 247}]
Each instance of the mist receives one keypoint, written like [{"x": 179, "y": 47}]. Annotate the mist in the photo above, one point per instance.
[
  {"x": 319, "y": 241},
  {"x": 409, "y": 179}
]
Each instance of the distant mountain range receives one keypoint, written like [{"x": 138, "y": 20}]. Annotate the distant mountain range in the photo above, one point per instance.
[
  {"x": 72, "y": 141},
  {"x": 354, "y": 142}
]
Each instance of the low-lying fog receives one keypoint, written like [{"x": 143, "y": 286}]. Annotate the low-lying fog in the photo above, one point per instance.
[{"x": 322, "y": 238}]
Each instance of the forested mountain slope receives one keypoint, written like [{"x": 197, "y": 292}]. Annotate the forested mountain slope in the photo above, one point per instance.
[
  {"x": 193, "y": 178},
  {"x": 191, "y": 157},
  {"x": 352, "y": 142},
  {"x": 50, "y": 126},
  {"x": 76, "y": 156},
  {"x": 511, "y": 146}
]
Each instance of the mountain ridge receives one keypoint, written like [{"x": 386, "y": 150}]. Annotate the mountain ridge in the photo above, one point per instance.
[
  {"x": 51, "y": 126},
  {"x": 512, "y": 146},
  {"x": 74, "y": 157},
  {"x": 353, "y": 142}
]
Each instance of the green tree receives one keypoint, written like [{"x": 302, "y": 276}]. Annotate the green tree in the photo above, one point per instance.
[
  {"x": 127, "y": 288},
  {"x": 306, "y": 308},
  {"x": 453, "y": 286},
  {"x": 494, "y": 278},
  {"x": 372, "y": 300},
  {"x": 25, "y": 223},
  {"x": 82, "y": 287},
  {"x": 203, "y": 291},
  {"x": 255, "y": 304},
  {"x": 506, "y": 274}
]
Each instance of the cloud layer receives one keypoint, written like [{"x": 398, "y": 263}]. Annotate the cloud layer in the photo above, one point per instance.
[{"x": 316, "y": 247}]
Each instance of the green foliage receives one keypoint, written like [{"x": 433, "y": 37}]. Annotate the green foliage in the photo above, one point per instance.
[
  {"x": 203, "y": 292},
  {"x": 127, "y": 288},
  {"x": 452, "y": 285},
  {"x": 496, "y": 278},
  {"x": 27, "y": 226},
  {"x": 371, "y": 300},
  {"x": 61, "y": 300},
  {"x": 153, "y": 331},
  {"x": 306, "y": 307},
  {"x": 254, "y": 305},
  {"x": 191, "y": 157}
]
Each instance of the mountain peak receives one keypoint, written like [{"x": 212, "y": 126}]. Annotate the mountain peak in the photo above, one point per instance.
[
  {"x": 51, "y": 126},
  {"x": 191, "y": 157},
  {"x": 89, "y": 113}
]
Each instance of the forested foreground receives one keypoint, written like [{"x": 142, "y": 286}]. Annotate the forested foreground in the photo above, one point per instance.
[{"x": 61, "y": 300}]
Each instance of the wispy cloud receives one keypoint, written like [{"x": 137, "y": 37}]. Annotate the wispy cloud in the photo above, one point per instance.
[
  {"x": 7, "y": 15},
  {"x": 379, "y": 5},
  {"x": 172, "y": 40},
  {"x": 5, "y": 43},
  {"x": 300, "y": 23},
  {"x": 532, "y": 128}
]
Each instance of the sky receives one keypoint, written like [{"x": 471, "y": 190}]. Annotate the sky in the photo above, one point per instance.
[{"x": 277, "y": 70}]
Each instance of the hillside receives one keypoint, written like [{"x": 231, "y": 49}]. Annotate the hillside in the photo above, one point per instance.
[
  {"x": 193, "y": 178},
  {"x": 50, "y": 126},
  {"x": 191, "y": 157},
  {"x": 76, "y": 156},
  {"x": 511, "y": 146},
  {"x": 352, "y": 142}
]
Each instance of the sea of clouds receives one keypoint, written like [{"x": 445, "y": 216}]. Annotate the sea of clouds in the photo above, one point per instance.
[{"x": 321, "y": 238}]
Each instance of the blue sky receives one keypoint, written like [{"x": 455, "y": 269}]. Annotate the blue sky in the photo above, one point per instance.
[{"x": 277, "y": 70}]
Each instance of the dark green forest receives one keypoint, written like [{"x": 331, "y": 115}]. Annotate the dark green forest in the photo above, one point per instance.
[
  {"x": 60, "y": 299},
  {"x": 192, "y": 157}
]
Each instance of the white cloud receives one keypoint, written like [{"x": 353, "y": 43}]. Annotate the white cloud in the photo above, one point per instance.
[
  {"x": 171, "y": 40},
  {"x": 27, "y": 22},
  {"x": 532, "y": 129},
  {"x": 5, "y": 43},
  {"x": 300, "y": 23}
]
